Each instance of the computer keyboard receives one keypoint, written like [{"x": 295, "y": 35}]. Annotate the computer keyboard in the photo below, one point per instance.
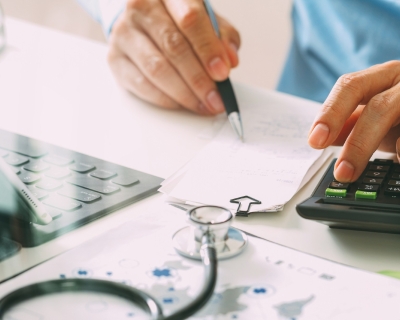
[{"x": 75, "y": 188}]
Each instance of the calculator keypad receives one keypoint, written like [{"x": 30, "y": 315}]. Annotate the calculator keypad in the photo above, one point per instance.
[{"x": 381, "y": 178}]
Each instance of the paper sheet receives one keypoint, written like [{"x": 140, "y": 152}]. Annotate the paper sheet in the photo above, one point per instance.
[
  {"x": 266, "y": 281},
  {"x": 269, "y": 166}
]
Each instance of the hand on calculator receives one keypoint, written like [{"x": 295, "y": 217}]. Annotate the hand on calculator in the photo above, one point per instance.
[{"x": 362, "y": 113}]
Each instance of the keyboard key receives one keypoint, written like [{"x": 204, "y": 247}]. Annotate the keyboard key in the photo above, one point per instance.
[
  {"x": 392, "y": 191},
  {"x": 81, "y": 167},
  {"x": 49, "y": 184},
  {"x": 80, "y": 194},
  {"x": 395, "y": 176},
  {"x": 3, "y": 153},
  {"x": 394, "y": 183},
  {"x": 39, "y": 194},
  {"x": 379, "y": 168},
  {"x": 93, "y": 184},
  {"x": 103, "y": 174},
  {"x": 369, "y": 187},
  {"x": 365, "y": 195},
  {"x": 341, "y": 193},
  {"x": 376, "y": 174},
  {"x": 16, "y": 160},
  {"x": 372, "y": 181},
  {"x": 335, "y": 185},
  {"x": 383, "y": 161},
  {"x": 125, "y": 180},
  {"x": 57, "y": 160},
  {"x": 29, "y": 177},
  {"x": 36, "y": 166},
  {"x": 58, "y": 173},
  {"x": 62, "y": 203}
]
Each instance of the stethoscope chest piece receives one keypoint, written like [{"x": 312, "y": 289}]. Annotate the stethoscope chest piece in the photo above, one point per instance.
[{"x": 214, "y": 221}]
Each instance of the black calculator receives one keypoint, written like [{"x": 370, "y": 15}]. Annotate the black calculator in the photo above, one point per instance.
[{"x": 372, "y": 203}]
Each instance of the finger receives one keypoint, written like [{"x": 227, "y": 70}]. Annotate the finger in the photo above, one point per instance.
[
  {"x": 157, "y": 69},
  {"x": 231, "y": 40},
  {"x": 350, "y": 91},
  {"x": 348, "y": 127},
  {"x": 174, "y": 46},
  {"x": 129, "y": 77},
  {"x": 192, "y": 19},
  {"x": 398, "y": 149},
  {"x": 379, "y": 115}
]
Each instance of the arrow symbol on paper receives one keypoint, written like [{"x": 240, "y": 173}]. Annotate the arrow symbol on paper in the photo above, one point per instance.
[{"x": 245, "y": 203}]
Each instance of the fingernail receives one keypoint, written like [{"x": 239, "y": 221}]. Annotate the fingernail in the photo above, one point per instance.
[
  {"x": 202, "y": 109},
  {"x": 319, "y": 135},
  {"x": 344, "y": 172},
  {"x": 234, "y": 47},
  {"x": 215, "y": 101},
  {"x": 219, "y": 68}
]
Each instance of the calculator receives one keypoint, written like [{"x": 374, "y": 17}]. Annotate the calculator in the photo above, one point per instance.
[{"x": 372, "y": 203}]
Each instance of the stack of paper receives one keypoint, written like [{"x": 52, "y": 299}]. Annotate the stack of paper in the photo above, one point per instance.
[{"x": 272, "y": 163}]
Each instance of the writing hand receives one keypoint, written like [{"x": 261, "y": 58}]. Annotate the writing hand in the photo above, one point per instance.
[
  {"x": 167, "y": 53},
  {"x": 362, "y": 113}
]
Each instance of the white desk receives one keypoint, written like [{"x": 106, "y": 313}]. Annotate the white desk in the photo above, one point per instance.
[{"x": 58, "y": 88}]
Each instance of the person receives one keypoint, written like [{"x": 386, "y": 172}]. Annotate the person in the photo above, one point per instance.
[{"x": 345, "y": 54}]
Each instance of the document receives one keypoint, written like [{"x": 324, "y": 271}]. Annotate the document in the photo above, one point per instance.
[
  {"x": 266, "y": 281},
  {"x": 269, "y": 165}
]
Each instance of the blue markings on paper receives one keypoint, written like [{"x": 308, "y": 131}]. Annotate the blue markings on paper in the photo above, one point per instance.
[
  {"x": 259, "y": 290},
  {"x": 168, "y": 300},
  {"x": 62, "y": 276},
  {"x": 162, "y": 273}
]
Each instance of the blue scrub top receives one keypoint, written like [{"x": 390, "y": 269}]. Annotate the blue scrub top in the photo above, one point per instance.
[{"x": 334, "y": 37}]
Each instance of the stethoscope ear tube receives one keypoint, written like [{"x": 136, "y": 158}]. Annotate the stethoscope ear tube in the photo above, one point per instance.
[{"x": 140, "y": 298}]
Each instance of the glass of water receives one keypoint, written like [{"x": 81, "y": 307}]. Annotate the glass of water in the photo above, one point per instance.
[{"x": 2, "y": 31}]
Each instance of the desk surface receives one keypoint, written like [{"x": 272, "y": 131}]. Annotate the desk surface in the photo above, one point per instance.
[{"x": 58, "y": 88}]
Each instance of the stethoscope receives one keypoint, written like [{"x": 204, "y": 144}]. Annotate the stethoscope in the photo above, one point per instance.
[{"x": 209, "y": 238}]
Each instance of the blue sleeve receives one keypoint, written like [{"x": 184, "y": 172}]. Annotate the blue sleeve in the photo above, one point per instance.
[{"x": 104, "y": 11}]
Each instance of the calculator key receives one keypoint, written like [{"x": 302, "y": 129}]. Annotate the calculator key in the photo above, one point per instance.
[
  {"x": 340, "y": 193},
  {"x": 29, "y": 177},
  {"x": 36, "y": 166},
  {"x": 376, "y": 174},
  {"x": 57, "y": 160},
  {"x": 58, "y": 173},
  {"x": 80, "y": 194},
  {"x": 81, "y": 167},
  {"x": 103, "y": 174},
  {"x": 395, "y": 176},
  {"x": 93, "y": 184},
  {"x": 3, "y": 153},
  {"x": 372, "y": 181},
  {"x": 49, "y": 184},
  {"x": 335, "y": 185},
  {"x": 379, "y": 168},
  {"x": 39, "y": 194},
  {"x": 397, "y": 168},
  {"x": 62, "y": 203},
  {"x": 365, "y": 195},
  {"x": 369, "y": 187},
  {"x": 125, "y": 180},
  {"x": 16, "y": 160},
  {"x": 394, "y": 183},
  {"x": 383, "y": 161},
  {"x": 54, "y": 213},
  {"x": 392, "y": 191}
]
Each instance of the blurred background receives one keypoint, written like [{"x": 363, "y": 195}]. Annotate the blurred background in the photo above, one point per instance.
[{"x": 264, "y": 26}]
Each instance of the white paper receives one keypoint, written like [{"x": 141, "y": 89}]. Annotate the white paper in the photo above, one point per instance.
[
  {"x": 266, "y": 281},
  {"x": 269, "y": 166}
]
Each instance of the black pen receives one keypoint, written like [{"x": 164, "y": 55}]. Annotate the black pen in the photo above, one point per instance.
[{"x": 225, "y": 87}]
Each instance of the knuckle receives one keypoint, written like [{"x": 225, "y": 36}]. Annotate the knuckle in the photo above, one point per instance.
[
  {"x": 351, "y": 82},
  {"x": 358, "y": 146},
  {"x": 191, "y": 18},
  {"x": 155, "y": 66},
  {"x": 138, "y": 5},
  {"x": 382, "y": 104},
  {"x": 174, "y": 43},
  {"x": 200, "y": 82}
]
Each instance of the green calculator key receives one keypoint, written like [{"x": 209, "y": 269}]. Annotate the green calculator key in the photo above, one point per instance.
[
  {"x": 329, "y": 192},
  {"x": 365, "y": 195}
]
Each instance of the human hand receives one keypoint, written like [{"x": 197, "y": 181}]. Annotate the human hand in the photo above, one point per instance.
[
  {"x": 362, "y": 113},
  {"x": 167, "y": 53}
]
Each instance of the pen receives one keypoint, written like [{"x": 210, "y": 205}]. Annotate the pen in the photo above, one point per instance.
[{"x": 225, "y": 87}]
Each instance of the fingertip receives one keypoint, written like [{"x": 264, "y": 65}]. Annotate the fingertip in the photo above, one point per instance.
[
  {"x": 219, "y": 69},
  {"x": 344, "y": 171}
]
